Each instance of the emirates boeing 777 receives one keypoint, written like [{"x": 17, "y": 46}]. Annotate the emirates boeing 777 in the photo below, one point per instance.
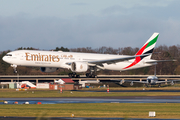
[{"x": 50, "y": 61}]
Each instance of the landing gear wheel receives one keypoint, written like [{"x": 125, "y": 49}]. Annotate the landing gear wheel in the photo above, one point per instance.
[
  {"x": 93, "y": 76},
  {"x": 77, "y": 76},
  {"x": 73, "y": 75},
  {"x": 70, "y": 75},
  {"x": 88, "y": 75}
]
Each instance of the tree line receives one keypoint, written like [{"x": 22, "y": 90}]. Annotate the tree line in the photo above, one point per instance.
[{"x": 161, "y": 52}]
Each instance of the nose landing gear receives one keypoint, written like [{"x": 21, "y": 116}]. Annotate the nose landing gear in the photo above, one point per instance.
[{"x": 14, "y": 68}]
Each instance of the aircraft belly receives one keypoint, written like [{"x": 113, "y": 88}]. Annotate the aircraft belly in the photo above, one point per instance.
[{"x": 39, "y": 64}]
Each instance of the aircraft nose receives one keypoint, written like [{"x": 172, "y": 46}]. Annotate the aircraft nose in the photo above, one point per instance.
[{"x": 5, "y": 59}]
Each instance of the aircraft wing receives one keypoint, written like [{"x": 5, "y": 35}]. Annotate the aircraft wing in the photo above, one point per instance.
[
  {"x": 143, "y": 82},
  {"x": 170, "y": 81},
  {"x": 113, "y": 61},
  {"x": 130, "y": 81},
  {"x": 162, "y": 82}
]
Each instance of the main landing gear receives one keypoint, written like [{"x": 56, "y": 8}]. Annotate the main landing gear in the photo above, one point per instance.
[
  {"x": 91, "y": 75},
  {"x": 88, "y": 75},
  {"x": 73, "y": 75}
]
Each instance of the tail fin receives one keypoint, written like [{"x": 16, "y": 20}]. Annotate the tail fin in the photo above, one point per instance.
[{"x": 148, "y": 47}]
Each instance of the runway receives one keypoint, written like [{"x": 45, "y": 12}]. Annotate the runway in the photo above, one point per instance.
[{"x": 134, "y": 99}]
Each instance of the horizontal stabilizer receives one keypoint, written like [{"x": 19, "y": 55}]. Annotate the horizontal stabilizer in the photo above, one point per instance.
[{"x": 155, "y": 61}]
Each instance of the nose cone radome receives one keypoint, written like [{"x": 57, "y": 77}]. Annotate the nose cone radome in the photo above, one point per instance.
[{"x": 5, "y": 59}]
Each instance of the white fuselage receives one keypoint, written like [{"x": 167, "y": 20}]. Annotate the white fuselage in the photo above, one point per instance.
[
  {"x": 60, "y": 59},
  {"x": 152, "y": 80}
]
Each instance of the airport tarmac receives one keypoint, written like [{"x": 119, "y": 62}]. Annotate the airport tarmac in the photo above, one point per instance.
[{"x": 132, "y": 99}]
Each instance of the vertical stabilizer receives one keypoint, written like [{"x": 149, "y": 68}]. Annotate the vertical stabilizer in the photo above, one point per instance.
[{"x": 148, "y": 47}]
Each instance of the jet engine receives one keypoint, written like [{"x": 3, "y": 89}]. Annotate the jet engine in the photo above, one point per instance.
[
  {"x": 172, "y": 83},
  {"x": 48, "y": 69},
  {"x": 79, "y": 67},
  {"x": 131, "y": 84}
]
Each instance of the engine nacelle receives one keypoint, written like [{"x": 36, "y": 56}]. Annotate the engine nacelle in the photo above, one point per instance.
[
  {"x": 79, "y": 67},
  {"x": 131, "y": 84},
  {"x": 48, "y": 69},
  {"x": 172, "y": 83}
]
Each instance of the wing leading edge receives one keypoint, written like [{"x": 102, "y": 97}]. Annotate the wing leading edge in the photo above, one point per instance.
[{"x": 116, "y": 60}]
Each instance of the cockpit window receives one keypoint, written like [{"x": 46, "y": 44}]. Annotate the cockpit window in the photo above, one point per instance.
[{"x": 8, "y": 54}]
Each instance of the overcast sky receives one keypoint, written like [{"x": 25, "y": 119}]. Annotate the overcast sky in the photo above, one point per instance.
[{"x": 47, "y": 24}]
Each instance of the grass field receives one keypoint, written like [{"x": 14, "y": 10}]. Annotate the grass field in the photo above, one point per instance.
[
  {"x": 6, "y": 93},
  {"x": 110, "y": 110}
]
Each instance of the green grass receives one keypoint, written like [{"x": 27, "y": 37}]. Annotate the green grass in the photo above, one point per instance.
[
  {"x": 125, "y": 110},
  {"x": 53, "y": 93}
]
